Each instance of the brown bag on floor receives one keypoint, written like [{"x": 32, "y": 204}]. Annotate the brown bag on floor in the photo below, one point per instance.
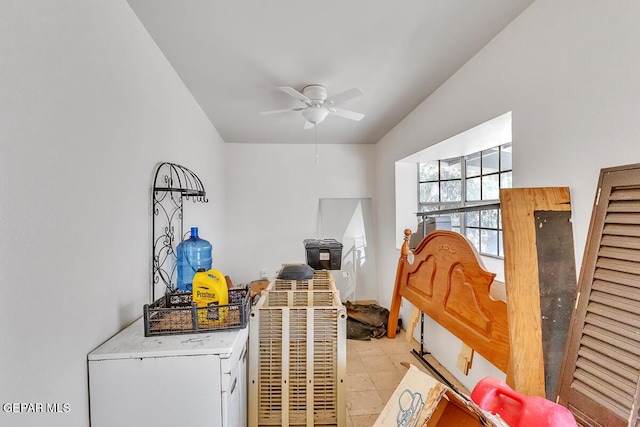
[{"x": 366, "y": 320}]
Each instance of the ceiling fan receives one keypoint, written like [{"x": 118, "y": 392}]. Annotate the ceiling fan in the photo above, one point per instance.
[{"x": 317, "y": 104}]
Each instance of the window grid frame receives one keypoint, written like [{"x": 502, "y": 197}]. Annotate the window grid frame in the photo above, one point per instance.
[{"x": 463, "y": 196}]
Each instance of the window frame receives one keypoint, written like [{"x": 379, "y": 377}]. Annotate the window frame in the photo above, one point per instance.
[{"x": 464, "y": 206}]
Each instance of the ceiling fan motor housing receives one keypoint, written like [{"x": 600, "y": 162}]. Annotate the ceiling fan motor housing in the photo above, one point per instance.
[{"x": 315, "y": 92}]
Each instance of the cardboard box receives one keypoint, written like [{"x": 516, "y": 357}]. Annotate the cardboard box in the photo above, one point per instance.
[
  {"x": 257, "y": 286},
  {"x": 422, "y": 401}
]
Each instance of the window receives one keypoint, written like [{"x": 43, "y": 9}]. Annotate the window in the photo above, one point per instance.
[{"x": 466, "y": 181}]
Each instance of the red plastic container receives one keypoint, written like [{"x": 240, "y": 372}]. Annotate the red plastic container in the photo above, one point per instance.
[{"x": 519, "y": 410}]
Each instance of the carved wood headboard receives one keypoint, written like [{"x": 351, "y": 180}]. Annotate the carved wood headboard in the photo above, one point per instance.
[{"x": 447, "y": 281}]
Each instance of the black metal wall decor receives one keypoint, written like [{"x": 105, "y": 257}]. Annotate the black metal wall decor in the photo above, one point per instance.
[{"x": 172, "y": 184}]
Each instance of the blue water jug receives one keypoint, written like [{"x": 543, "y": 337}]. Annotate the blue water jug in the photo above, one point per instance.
[{"x": 193, "y": 254}]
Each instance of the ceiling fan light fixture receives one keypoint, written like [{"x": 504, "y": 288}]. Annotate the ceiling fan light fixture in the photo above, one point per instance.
[
  {"x": 315, "y": 114},
  {"x": 317, "y": 106}
]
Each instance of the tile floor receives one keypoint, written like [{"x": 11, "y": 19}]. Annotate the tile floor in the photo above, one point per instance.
[{"x": 374, "y": 371}]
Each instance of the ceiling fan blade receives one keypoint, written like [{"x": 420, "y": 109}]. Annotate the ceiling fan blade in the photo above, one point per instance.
[
  {"x": 297, "y": 95},
  {"x": 351, "y": 115},
  {"x": 344, "y": 96},
  {"x": 282, "y": 111},
  {"x": 308, "y": 125}
]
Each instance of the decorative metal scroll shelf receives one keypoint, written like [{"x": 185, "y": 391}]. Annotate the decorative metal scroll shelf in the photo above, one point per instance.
[{"x": 172, "y": 184}]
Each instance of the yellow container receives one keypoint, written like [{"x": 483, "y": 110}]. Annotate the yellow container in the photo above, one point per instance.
[{"x": 210, "y": 291}]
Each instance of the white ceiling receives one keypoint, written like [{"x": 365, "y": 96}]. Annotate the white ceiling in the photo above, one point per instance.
[{"x": 234, "y": 54}]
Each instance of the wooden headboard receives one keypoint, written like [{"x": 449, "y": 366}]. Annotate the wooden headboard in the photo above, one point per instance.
[{"x": 447, "y": 281}]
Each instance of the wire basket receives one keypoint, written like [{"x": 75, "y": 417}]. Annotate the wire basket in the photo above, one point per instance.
[{"x": 175, "y": 313}]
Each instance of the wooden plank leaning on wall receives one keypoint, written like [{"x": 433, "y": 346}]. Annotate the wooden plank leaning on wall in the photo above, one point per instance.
[{"x": 530, "y": 278}]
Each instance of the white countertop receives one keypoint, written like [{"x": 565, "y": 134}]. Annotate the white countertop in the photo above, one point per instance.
[{"x": 131, "y": 343}]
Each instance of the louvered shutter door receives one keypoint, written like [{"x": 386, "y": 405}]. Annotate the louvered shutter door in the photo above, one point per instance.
[{"x": 602, "y": 367}]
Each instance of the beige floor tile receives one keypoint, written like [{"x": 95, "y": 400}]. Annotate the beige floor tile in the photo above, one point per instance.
[
  {"x": 396, "y": 345},
  {"x": 364, "y": 403},
  {"x": 371, "y": 350},
  {"x": 374, "y": 370},
  {"x": 385, "y": 394},
  {"x": 355, "y": 365},
  {"x": 363, "y": 420},
  {"x": 357, "y": 346},
  {"x": 385, "y": 379},
  {"x": 351, "y": 351},
  {"x": 399, "y": 359},
  {"x": 359, "y": 382},
  {"x": 377, "y": 363}
]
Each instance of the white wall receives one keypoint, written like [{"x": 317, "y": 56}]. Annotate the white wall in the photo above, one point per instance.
[
  {"x": 273, "y": 195},
  {"x": 569, "y": 73},
  {"x": 88, "y": 107}
]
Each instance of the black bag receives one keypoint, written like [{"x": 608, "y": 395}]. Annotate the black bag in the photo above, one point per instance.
[{"x": 296, "y": 272}]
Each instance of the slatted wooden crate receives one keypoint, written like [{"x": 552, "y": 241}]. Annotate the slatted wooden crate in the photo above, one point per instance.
[
  {"x": 297, "y": 359},
  {"x": 322, "y": 280}
]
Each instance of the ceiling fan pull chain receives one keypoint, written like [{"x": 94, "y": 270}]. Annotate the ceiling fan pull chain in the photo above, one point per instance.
[{"x": 315, "y": 127}]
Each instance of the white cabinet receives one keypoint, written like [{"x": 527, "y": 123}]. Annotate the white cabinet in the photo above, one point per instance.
[{"x": 176, "y": 380}]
